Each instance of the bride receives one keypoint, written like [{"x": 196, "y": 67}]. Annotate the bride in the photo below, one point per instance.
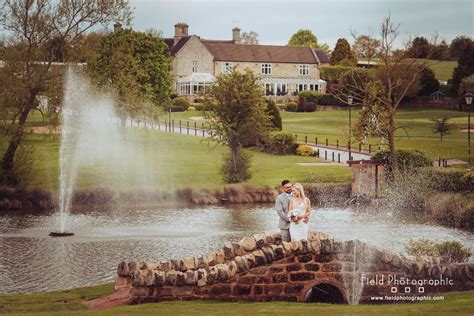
[{"x": 299, "y": 211}]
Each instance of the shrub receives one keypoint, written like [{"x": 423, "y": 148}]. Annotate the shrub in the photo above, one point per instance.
[
  {"x": 310, "y": 107},
  {"x": 447, "y": 208},
  {"x": 291, "y": 107},
  {"x": 408, "y": 161},
  {"x": 305, "y": 150},
  {"x": 453, "y": 250},
  {"x": 328, "y": 99},
  {"x": 198, "y": 100},
  {"x": 281, "y": 143},
  {"x": 201, "y": 107},
  {"x": 177, "y": 108},
  {"x": 242, "y": 173},
  {"x": 191, "y": 108},
  {"x": 274, "y": 114},
  {"x": 181, "y": 102},
  {"x": 281, "y": 107},
  {"x": 310, "y": 96},
  {"x": 448, "y": 179},
  {"x": 301, "y": 104}
]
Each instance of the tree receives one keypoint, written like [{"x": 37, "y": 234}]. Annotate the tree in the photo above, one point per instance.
[
  {"x": 419, "y": 48},
  {"x": 428, "y": 82},
  {"x": 137, "y": 67},
  {"x": 249, "y": 38},
  {"x": 465, "y": 67},
  {"x": 28, "y": 70},
  {"x": 236, "y": 115},
  {"x": 381, "y": 94},
  {"x": 442, "y": 127},
  {"x": 274, "y": 114},
  {"x": 441, "y": 51},
  {"x": 366, "y": 47},
  {"x": 458, "y": 45},
  {"x": 342, "y": 52},
  {"x": 306, "y": 38}
]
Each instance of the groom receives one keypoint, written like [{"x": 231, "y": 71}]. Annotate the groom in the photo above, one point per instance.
[{"x": 281, "y": 206}]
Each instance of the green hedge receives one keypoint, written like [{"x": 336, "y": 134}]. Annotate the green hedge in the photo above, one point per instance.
[
  {"x": 281, "y": 143},
  {"x": 448, "y": 179},
  {"x": 408, "y": 161},
  {"x": 181, "y": 102}
]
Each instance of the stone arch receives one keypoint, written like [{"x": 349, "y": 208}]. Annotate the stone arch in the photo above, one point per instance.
[{"x": 325, "y": 291}]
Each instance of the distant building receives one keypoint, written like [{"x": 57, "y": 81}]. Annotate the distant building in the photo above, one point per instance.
[{"x": 284, "y": 70}]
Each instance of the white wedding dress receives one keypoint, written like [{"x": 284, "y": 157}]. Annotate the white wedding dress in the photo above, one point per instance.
[{"x": 299, "y": 231}]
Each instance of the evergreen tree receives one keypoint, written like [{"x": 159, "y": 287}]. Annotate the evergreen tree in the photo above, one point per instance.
[{"x": 342, "y": 52}]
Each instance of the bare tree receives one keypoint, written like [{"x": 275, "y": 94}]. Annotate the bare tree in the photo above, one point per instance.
[
  {"x": 249, "y": 38},
  {"x": 385, "y": 87},
  {"x": 28, "y": 71}
]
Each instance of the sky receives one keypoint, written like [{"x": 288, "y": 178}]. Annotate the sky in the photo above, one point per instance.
[{"x": 275, "y": 20}]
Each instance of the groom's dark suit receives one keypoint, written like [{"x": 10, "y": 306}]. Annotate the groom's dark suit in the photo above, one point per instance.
[{"x": 281, "y": 206}]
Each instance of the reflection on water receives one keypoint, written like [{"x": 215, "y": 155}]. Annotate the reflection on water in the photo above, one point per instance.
[{"x": 31, "y": 261}]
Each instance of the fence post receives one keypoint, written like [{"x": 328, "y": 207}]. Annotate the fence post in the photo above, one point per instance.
[
  {"x": 195, "y": 129},
  {"x": 439, "y": 161},
  {"x": 166, "y": 126},
  {"x": 325, "y": 155},
  {"x": 316, "y": 141},
  {"x": 306, "y": 139},
  {"x": 203, "y": 132},
  {"x": 337, "y": 144},
  {"x": 360, "y": 148},
  {"x": 296, "y": 137},
  {"x": 172, "y": 124},
  {"x": 339, "y": 157},
  {"x": 333, "y": 156},
  {"x": 180, "y": 126},
  {"x": 326, "y": 142},
  {"x": 370, "y": 148},
  {"x": 187, "y": 127}
]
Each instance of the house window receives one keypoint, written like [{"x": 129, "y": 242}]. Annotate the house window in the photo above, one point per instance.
[
  {"x": 266, "y": 69},
  {"x": 304, "y": 70},
  {"x": 226, "y": 67},
  {"x": 195, "y": 66}
]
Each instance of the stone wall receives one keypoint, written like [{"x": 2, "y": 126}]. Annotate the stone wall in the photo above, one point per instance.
[{"x": 263, "y": 268}]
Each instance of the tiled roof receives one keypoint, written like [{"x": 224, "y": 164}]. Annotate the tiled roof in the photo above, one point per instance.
[
  {"x": 322, "y": 56},
  {"x": 228, "y": 51},
  {"x": 175, "y": 48}
]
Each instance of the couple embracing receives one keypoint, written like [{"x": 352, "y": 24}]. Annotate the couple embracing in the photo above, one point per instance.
[{"x": 294, "y": 210}]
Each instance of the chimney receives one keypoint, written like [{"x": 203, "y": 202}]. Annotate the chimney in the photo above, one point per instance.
[
  {"x": 117, "y": 27},
  {"x": 180, "y": 30},
  {"x": 236, "y": 35}
]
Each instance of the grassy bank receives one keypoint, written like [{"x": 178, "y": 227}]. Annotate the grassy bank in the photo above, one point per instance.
[
  {"x": 71, "y": 303},
  {"x": 169, "y": 161}
]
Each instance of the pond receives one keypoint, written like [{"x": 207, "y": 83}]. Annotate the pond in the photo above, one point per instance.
[{"x": 31, "y": 261}]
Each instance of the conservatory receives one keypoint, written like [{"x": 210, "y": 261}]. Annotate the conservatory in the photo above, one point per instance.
[{"x": 194, "y": 84}]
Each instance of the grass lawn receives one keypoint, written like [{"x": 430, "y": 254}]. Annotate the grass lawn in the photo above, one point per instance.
[
  {"x": 443, "y": 70},
  {"x": 169, "y": 161},
  {"x": 70, "y": 303},
  {"x": 333, "y": 125}
]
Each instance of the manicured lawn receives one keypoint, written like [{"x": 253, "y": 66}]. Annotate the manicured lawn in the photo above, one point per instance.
[
  {"x": 334, "y": 125},
  {"x": 443, "y": 70},
  {"x": 70, "y": 303},
  {"x": 168, "y": 161}
]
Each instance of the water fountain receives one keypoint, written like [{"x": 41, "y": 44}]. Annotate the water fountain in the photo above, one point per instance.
[{"x": 90, "y": 138}]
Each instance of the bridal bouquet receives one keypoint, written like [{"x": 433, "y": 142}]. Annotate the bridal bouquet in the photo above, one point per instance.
[{"x": 294, "y": 214}]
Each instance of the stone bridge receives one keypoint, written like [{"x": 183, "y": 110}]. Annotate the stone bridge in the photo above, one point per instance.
[{"x": 322, "y": 269}]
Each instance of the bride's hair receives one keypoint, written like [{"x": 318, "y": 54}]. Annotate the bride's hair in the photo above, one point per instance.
[{"x": 300, "y": 188}]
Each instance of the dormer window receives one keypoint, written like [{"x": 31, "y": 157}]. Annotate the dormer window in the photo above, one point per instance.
[
  {"x": 266, "y": 69},
  {"x": 226, "y": 67},
  {"x": 195, "y": 66},
  {"x": 304, "y": 70}
]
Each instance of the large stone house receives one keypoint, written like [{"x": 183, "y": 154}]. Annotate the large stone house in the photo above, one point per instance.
[{"x": 284, "y": 70}]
